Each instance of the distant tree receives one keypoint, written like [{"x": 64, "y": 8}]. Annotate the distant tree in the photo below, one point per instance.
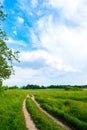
[
  {"x": 7, "y": 55},
  {"x": 13, "y": 87}
]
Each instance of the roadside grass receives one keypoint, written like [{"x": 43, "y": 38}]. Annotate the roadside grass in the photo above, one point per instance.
[
  {"x": 41, "y": 120},
  {"x": 72, "y": 121},
  {"x": 70, "y": 107},
  {"x": 11, "y": 115}
]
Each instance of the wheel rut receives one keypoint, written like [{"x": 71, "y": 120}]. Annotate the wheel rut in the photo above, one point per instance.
[
  {"x": 53, "y": 118},
  {"x": 29, "y": 123}
]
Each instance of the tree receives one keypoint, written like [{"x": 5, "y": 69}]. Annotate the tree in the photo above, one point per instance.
[{"x": 7, "y": 55}]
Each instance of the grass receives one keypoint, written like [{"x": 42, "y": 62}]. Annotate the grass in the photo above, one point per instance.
[
  {"x": 69, "y": 106},
  {"x": 41, "y": 120},
  {"x": 11, "y": 115}
]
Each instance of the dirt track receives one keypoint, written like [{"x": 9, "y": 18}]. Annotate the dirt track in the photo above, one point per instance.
[
  {"x": 53, "y": 118},
  {"x": 29, "y": 123}
]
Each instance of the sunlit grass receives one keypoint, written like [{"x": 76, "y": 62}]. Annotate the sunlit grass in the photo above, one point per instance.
[
  {"x": 11, "y": 115},
  {"x": 41, "y": 120},
  {"x": 69, "y": 106}
]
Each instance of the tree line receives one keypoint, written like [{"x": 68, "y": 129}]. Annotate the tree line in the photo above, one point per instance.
[{"x": 66, "y": 87}]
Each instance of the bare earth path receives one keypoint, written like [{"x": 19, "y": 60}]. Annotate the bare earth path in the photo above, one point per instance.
[
  {"x": 29, "y": 123},
  {"x": 53, "y": 118}
]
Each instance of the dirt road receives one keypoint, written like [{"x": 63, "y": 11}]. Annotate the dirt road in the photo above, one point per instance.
[{"x": 29, "y": 123}]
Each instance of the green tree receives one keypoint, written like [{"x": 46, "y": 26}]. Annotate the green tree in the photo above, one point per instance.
[{"x": 7, "y": 55}]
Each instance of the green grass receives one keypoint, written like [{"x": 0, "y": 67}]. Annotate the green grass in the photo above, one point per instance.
[
  {"x": 11, "y": 115},
  {"x": 41, "y": 120},
  {"x": 69, "y": 106}
]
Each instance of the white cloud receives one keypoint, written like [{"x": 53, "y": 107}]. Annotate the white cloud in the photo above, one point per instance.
[
  {"x": 63, "y": 41},
  {"x": 65, "y": 5},
  {"x": 20, "y": 20},
  {"x": 18, "y": 42},
  {"x": 75, "y": 10},
  {"x": 25, "y": 76},
  {"x": 43, "y": 76},
  {"x": 47, "y": 59}
]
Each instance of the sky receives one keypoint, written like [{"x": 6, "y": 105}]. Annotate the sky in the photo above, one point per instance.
[{"x": 51, "y": 36}]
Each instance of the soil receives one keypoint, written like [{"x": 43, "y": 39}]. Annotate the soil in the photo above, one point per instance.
[{"x": 29, "y": 123}]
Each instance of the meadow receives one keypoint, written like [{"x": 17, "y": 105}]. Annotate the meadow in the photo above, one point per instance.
[
  {"x": 42, "y": 121},
  {"x": 11, "y": 115},
  {"x": 68, "y": 106}
]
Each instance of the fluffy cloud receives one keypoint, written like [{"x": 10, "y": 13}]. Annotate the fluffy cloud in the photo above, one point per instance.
[
  {"x": 74, "y": 9},
  {"x": 61, "y": 40},
  {"x": 25, "y": 76},
  {"x": 42, "y": 58}
]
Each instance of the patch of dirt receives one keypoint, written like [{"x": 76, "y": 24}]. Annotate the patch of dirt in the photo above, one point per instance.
[{"x": 29, "y": 123}]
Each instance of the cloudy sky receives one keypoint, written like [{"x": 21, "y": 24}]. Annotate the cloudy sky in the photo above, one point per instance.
[{"x": 51, "y": 36}]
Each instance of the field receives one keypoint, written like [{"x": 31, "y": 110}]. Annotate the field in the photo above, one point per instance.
[
  {"x": 11, "y": 115},
  {"x": 68, "y": 106},
  {"x": 41, "y": 120}
]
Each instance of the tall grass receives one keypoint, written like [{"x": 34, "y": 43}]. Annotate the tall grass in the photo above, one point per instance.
[
  {"x": 11, "y": 115},
  {"x": 71, "y": 106},
  {"x": 41, "y": 120}
]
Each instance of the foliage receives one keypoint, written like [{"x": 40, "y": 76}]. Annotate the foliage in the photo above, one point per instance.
[
  {"x": 7, "y": 55},
  {"x": 13, "y": 87},
  {"x": 66, "y": 87},
  {"x": 30, "y": 86},
  {"x": 11, "y": 115},
  {"x": 1, "y": 89},
  {"x": 73, "y": 88}
]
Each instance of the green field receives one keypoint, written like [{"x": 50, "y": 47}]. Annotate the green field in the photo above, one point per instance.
[
  {"x": 11, "y": 115},
  {"x": 41, "y": 120},
  {"x": 68, "y": 106}
]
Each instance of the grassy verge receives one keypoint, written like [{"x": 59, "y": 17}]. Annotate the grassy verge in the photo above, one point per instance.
[
  {"x": 11, "y": 115},
  {"x": 70, "y": 120},
  {"x": 41, "y": 120},
  {"x": 69, "y": 106}
]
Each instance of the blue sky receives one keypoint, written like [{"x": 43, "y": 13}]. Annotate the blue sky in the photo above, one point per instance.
[{"x": 51, "y": 36}]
